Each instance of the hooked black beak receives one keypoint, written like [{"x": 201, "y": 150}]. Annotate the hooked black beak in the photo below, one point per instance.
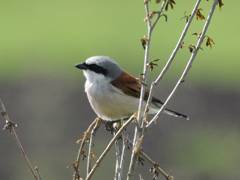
[{"x": 82, "y": 66}]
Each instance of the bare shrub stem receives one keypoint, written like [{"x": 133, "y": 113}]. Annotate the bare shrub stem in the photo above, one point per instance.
[
  {"x": 173, "y": 54},
  {"x": 9, "y": 125},
  {"x": 90, "y": 145},
  {"x": 190, "y": 61},
  {"x": 118, "y": 159},
  {"x": 143, "y": 155},
  {"x": 110, "y": 144},
  {"x": 138, "y": 132},
  {"x": 122, "y": 153},
  {"x": 86, "y": 134},
  {"x": 156, "y": 165}
]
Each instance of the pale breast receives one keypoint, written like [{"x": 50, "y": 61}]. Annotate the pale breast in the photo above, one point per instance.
[{"x": 108, "y": 102}]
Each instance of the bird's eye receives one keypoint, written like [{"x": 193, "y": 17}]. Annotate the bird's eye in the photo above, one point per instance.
[{"x": 97, "y": 69}]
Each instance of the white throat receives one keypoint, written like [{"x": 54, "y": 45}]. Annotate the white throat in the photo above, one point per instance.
[{"x": 93, "y": 77}]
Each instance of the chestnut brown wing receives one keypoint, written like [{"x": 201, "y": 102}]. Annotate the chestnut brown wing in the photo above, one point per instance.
[
  {"x": 132, "y": 87},
  {"x": 128, "y": 84}
]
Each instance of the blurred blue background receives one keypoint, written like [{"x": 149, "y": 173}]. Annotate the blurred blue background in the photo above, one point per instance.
[{"x": 42, "y": 40}]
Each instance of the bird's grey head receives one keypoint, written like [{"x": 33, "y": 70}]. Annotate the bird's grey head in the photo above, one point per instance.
[{"x": 100, "y": 68}]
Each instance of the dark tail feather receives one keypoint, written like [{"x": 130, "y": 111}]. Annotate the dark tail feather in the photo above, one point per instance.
[
  {"x": 176, "y": 114},
  {"x": 170, "y": 112}
]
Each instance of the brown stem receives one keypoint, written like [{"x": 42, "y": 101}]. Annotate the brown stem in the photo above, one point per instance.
[
  {"x": 110, "y": 144},
  {"x": 9, "y": 125},
  {"x": 76, "y": 164}
]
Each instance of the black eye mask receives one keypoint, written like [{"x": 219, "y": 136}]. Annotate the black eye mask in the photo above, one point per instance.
[{"x": 96, "y": 68}]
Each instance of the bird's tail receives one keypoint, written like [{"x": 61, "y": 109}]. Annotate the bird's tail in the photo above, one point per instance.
[
  {"x": 170, "y": 112},
  {"x": 176, "y": 114}
]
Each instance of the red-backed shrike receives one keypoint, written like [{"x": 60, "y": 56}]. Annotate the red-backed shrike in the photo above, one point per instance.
[{"x": 113, "y": 93}]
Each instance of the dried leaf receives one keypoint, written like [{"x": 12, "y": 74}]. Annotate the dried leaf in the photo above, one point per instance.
[
  {"x": 199, "y": 14},
  {"x": 170, "y": 3},
  {"x": 220, "y": 3},
  {"x": 195, "y": 34},
  {"x": 182, "y": 45},
  {"x": 157, "y": 1},
  {"x": 153, "y": 64},
  {"x": 209, "y": 42},
  {"x": 191, "y": 48},
  {"x": 154, "y": 171},
  {"x": 144, "y": 41},
  {"x": 140, "y": 160}
]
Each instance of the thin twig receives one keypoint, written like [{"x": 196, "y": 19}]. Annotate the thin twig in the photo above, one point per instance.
[
  {"x": 120, "y": 146},
  {"x": 138, "y": 133},
  {"x": 146, "y": 59},
  {"x": 122, "y": 153},
  {"x": 159, "y": 13},
  {"x": 190, "y": 61},
  {"x": 118, "y": 159},
  {"x": 133, "y": 156},
  {"x": 156, "y": 165},
  {"x": 9, "y": 125},
  {"x": 38, "y": 173},
  {"x": 172, "y": 56},
  {"x": 76, "y": 164},
  {"x": 143, "y": 155},
  {"x": 142, "y": 94},
  {"x": 108, "y": 147},
  {"x": 93, "y": 131}
]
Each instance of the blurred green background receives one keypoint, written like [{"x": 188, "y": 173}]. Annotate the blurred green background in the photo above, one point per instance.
[{"x": 42, "y": 40}]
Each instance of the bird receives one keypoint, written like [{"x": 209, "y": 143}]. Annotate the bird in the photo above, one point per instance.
[{"x": 114, "y": 93}]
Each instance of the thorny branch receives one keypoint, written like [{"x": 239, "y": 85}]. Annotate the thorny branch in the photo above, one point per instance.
[
  {"x": 93, "y": 131},
  {"x": 156, "y": 165},
  {"x": 108, "y": 147},
  {"x": 86, "y": 134},
  {"x": 9, "y": 125},
  {"x": 140, "y": 131},
  {"x": 120, "y": 147},
  {"x": 190, "y": 61},
  {"x": 173, "y": 54}
]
